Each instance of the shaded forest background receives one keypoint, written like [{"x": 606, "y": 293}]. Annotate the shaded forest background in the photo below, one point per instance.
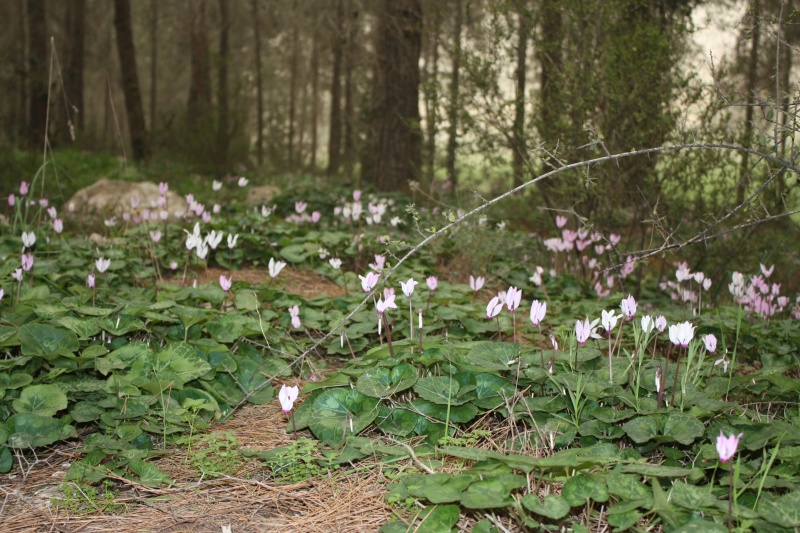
[{"x": 435, "y": 95}]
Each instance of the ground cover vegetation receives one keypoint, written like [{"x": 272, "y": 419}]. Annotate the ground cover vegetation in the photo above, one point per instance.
[
  {"x": 565, "y": 401},
  {"x": 541, "y": 276}
]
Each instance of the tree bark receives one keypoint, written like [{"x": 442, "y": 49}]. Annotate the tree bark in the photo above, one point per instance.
[
  {"x": 752, "y": 84},
  {"x": 349, "y": 154},
  {"x": 335, "y": 136},
  {"x": 259, "y": 87},
  {"x": 314, "y": 100},
  {"x": 293, "y": 85},
  {"x": 223, "y": 124},
  {"x": 393, "y": 155},
  {"x": 153, "y": 61},
  {"x": 518, "y": 134},
  {"x": 73, "y": 65},
  {"x": 431, "y": 89},
  {"x": 130, "y": 79},
  {"x": 199, "y": 102},
  {"x": 37, "y": 72},
  {"x": 453, "y": 108}
]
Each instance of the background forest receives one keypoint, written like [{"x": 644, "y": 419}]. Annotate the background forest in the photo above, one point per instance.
[{"x": 442, "y": 96}]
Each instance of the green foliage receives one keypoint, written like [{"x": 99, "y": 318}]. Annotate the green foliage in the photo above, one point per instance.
[
  {"x": 215, "y": 454},
  {"x": 84, "y": 499}
]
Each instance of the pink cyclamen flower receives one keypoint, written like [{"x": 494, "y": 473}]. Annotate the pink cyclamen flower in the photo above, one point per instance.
[
  {"x": 767, "y": 271},
  {"x": 382, "y": 305},
  {"x": 476, "y": 283},
  {"x": 647, "y": 324},
  {"x": 585, "y": 329},
  {"x": 681, "y": 334},
  {"x": 90, "y": 281},
  {"x": 561, "y": 221},
  {"x": 27, "y": 262},
  {"x": 58, "y": 226},
  {"x": 23, "y": 188},
  {"x": 225, "y": 283},
  {"x": 287, "y": 396},
  {"x": 357, "y": 195},
  {"x": 494, "y": 307},
  {"x": 661, "y": 323},
  {"x": 28, "y": 239},
  {"x": 432, "y": 283},
  {"x": 102, "y": 264},
  {"x": 52, "y": 212},
  {"x": 155, "y": 235},
  {"x": 43, "y": 202},
  {"x": 12, "y": 200},
  {"x": 163, "y": 187},
  {"x": 315, "y": 216},
  {"x": 369, "y": 281},
  {"x": 17, "y": 274},
  {"x": 538, "y": 311},
  {"x": 513, "y": 297},
  {"x": 408, "y": 287},
  {"x": 628, "y": 307},
  {"x": 609, "y": 320},
  {"x": 173, "y": 265},
  {"x": 300, "y": 207},
  {"x": 726, "y": 446},
  {"x": 711, "y": 343}
]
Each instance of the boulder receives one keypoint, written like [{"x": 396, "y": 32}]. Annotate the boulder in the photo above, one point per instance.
[
  {"x": 108, "y": 198},
  {"x": 263, "y": 194}
]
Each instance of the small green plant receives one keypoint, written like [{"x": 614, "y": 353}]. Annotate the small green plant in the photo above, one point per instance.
[
  {"x": 215, "y": 454},
  {"x": 297, "y": 461},
  {"x": 471, "y": 438},
  {"x": 82, "y": 498}
]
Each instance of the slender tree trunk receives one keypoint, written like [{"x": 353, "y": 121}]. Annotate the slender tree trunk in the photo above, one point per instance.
[
  {"x": 549, "y": 57},
  {"x": 73, "y": 66},
  {"x": 199, "y": 102},
  {"x": 518, "y": 135},
  {"x": 38, "y": 73},
  {"x": 153, "y": 61},
  {"x": 453, "y": 109},
  {"x": 752, "y": 84},
  {"x": 393, "y": 151},
  {"x": 314, "y": 101},
  {"x": 21, "y": 110},
  {"x": 130, "y": 79},
  {"x": 293, "y": 86},
  {"x": 349, "y": 113},
  {"x": 432, "y": 94},
  {"x": 259, "y": 87},
  {"x": 335, "y": 137},
  {"x": 223, "y": 124}
]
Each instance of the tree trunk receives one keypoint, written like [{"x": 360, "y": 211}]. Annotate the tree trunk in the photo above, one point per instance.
[
  {"x": 153, "y": 60},
  {"x": 549, "y": 56},
  {"x": 453, "y": 108},
  {"x": 293, "y": 85},
  {"x": 335, "y": 137},
  {"x": 393, "y": 156},
  {"x": 199, "y": 102},
  {"x": 752, "y": 85},
  {"x": 37, "y": 72},
  {"x": 431, "y": 89},
  {"x": 223, "y": 127},
  {"x": 518, "y": 134},
  {"x": 73, "y": 64},
  {"x": 259, "y": 87},
  {"x": 314, "y": 100},
  {"x": 349, "y": 112},
  {"x": 130, "y": 79}
]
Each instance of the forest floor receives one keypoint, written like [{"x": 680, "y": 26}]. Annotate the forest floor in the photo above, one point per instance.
[{"x": 248, "y": 500}]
